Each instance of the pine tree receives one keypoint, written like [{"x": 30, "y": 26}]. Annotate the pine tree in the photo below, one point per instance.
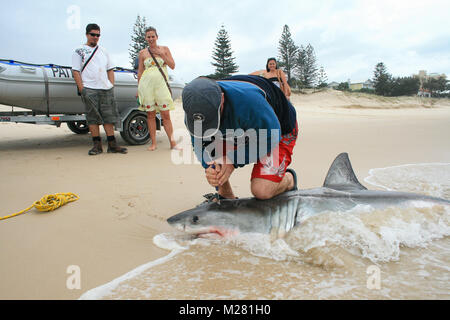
[
  {"x": 435, "y": 84},
  {"x": 404, "y": 86},
  {"x": 287, "y": 52},
  {"x": 138, "y": 39},
  {"x": 322, "y": 78},
  {"x": 382, "y": 80},
  {"x": 343, "y": 86},
  {"x": 223, "y": 56},
  {"x": 306, "y": 66}
]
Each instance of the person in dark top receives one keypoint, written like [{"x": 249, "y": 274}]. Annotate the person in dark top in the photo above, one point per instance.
[
  {"x": 241, "y": 120},
  {"x": 276, "y": 75}
]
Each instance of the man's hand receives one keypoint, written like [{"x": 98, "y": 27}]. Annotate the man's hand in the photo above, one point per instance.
[
  {"x": 78, "y": 81},
  {"x": 211, "y": 174},
  {"x": 225, "y": 173},
  {"x": 110, "y": 74},
  {"x": 219, "y": 172}
]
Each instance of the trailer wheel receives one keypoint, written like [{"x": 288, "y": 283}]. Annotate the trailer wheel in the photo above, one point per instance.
[
  {"x": 79, "y": 127},
  {"x": 135, "y": 128}
]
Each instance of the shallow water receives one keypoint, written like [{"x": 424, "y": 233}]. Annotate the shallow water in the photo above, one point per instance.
[{"x": 395, "y": 253}]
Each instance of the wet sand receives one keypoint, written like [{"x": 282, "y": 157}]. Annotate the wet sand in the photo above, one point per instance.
[{"x": 125, "y": 199}]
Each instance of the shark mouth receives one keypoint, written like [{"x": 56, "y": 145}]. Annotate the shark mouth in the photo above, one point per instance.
[{"x": 210, "y": 232}]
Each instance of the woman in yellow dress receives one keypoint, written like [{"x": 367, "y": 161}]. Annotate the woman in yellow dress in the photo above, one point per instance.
[{"x": 154, "y": 95}]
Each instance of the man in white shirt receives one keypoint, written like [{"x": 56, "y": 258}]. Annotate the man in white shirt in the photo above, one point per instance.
[{"x": 94, "y": 75}]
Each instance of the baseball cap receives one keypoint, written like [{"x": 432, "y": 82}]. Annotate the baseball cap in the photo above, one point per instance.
[{"x": 201, "y": 104}]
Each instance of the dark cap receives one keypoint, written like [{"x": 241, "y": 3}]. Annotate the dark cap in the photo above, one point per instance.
[{"x": 201, "y": 104}]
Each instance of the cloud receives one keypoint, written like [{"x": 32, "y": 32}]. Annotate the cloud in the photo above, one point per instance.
[{"x": 349, "y": 37}]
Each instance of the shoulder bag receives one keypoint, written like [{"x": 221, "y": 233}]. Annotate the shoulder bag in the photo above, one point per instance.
[{"x": 160, "y": 70}]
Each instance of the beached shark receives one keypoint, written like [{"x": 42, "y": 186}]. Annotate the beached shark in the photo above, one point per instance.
[{"x": 341, "y": 191}]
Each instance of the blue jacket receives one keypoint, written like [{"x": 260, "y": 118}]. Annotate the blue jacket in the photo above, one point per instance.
[{"x": 245, "y": 112}]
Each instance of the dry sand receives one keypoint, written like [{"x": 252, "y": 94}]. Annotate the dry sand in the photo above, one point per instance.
[{"x": 125, "y": 199}]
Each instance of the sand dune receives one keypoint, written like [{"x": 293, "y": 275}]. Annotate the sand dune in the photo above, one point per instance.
[{"x": 355, "y": 100}]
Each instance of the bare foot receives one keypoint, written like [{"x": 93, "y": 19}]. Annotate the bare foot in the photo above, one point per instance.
[
  {"x": 152, "y": 148},
  {"x": 175, "y": 146}
]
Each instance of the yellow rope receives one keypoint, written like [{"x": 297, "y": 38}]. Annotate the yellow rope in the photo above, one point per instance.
[{"x": 49, "y": 202}]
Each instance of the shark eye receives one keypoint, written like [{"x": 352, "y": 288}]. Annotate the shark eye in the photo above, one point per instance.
[{"x": 194, "y": 219}]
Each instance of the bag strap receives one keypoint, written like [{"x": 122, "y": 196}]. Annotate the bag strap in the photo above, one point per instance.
[
  {"x": 279, "y": 75},
  {"x": 284, "y": 87},
  {"x": 160, "y": 70},
  {"x": 88, "y": 60},
  {"x": 279, "y": 80}
]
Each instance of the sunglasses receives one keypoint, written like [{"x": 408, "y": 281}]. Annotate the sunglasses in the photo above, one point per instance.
[{"x": 94, "y": 34}]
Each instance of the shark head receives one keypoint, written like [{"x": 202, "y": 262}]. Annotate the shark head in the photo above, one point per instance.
[
  {"x": 206, "y": 219},
  {"x": 228, "y": 218}
]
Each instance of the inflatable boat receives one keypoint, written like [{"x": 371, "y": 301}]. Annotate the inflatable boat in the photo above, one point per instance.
[{"x": 50, "y": 90}]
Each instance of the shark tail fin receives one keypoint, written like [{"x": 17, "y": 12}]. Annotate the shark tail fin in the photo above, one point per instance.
[{"x": 341, "y": 176}]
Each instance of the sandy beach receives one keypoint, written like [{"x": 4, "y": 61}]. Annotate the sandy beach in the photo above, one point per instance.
[{"x": 125, "y": 199}]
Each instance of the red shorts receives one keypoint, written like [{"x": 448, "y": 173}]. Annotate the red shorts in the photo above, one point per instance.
[{"x": 273, "y": 168}]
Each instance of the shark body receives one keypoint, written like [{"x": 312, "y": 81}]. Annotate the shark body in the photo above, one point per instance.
[{"x": 341, "y": 191}]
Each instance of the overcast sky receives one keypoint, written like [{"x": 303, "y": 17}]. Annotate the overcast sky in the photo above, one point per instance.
[{"x": 349, "y": 37}]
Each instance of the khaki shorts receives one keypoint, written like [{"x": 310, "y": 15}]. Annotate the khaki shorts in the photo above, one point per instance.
[{"x": 100, "y": 106}]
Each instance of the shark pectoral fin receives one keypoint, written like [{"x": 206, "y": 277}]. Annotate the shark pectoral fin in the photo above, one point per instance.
[
  {"x": 292, "y": 213},
  {"x": 341, "y": 176},
  {"x": 274, "y": 222},
  {"x": 283, "y": 222}
]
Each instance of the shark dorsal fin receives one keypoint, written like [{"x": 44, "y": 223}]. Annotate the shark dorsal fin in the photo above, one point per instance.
[{"x": 340, "y": 176}]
